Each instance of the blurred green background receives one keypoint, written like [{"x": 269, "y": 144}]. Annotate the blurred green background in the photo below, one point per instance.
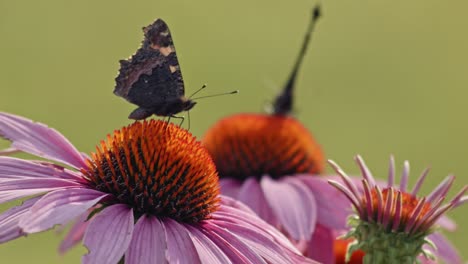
[{"x": 381, "y": 77}]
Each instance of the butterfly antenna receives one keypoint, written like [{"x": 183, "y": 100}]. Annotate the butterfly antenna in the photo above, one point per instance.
[
  {"x": 197, "y": 91},
  {"x": 214, "y": 95},
  {"x": 283, "y": 102}
]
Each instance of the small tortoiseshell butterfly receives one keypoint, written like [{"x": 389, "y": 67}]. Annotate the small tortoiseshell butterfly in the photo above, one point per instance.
[{"x": 151, "y": 78}]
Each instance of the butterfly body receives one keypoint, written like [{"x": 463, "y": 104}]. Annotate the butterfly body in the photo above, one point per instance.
[{"x": 151, "y": 78}]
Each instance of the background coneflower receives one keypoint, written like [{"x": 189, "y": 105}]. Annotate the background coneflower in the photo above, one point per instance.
[
  {"x": 394, "y": 225},
  {"x": 267, "y": 162},
  {"x": 149, "y": 194}
]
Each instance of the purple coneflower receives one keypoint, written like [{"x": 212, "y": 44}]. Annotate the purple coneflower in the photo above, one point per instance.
[
  {"x": 271, "y": 162},
  {"x": 394, "y": 225},
  {"x": 148, "y": 195}
]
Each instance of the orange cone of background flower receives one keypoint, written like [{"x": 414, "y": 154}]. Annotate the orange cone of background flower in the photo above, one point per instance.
[{"x": 268, "y": 161}]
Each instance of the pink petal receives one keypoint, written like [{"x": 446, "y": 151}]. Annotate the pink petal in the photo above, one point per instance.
[
  {"x": 321, "y": 246},
  {"x": 419, "y": 182},
  {"x": 294, "y": 206},
  {"x": 405, "y": 176},
  {"x": 230, "y": 202},
  {"x": 391, "y": 172},
  {"x": 265, "y": 246},
  {"x": 14, "y": 189},
  {"x": 246, "y": 219},
  {"x": 441, "y": 190},
  {"x": 76, "y": 233},
  {"x": 252, "y": 195},
  {"x": 180, "y": 248},
  {"x": 364, "y": 170},
  {"x": 58, "y": 208},
  {"x": 109, "y": 234},
  {"x": 333, "y": 208},
  {"x": 230, "y": 187},
  {"x": 229, "y": 215},
  {"x": 208, "y": 251},
  {"x": 445, "y": 250},
  {"x": 148, "y": 243},
  {"x": 445, "y": 222},
  {"x": 233, "y": 246},
  {"x": 9, "y": 219},
  {"x": 14, "y": 168},
  {"x": 39, "y": 140}
]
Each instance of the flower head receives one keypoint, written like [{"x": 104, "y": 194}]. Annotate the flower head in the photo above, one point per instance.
[
  {"x": 149, "y": 194},
  {"x": 271, "y": 163},
  {"x": 253, "y": 145},
  {"x": 394, "y": 225},
  {"x": 157, "y": 169},
  {"x": 268, "y": 161}
]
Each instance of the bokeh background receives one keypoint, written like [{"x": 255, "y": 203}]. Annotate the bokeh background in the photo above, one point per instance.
[{"x": 381, "y": 77}]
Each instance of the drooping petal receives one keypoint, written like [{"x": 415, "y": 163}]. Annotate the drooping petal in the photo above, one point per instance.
[
  {"x": 148, "y": 243},
  {"x": 294, "y": 206},
  {"x": 445, "y": 222},
  {"x": 264, "y": 245},
  {"x": 108, "y": 235},
  {"x": 333, "y": 208},
  {"x": 252, "y": 221},
  {"x": 9, "y": 219},
  {"x": 75, "y": 234},
  {"x": 237, "y": 250},
  {"x": 234, "y": 215},
  {"x": 180, "y": 248},
  {"x": 15, "y": 189},
  {"x": 39, "y": 140},
  {"x": 354, "y": 201},
  {"x": 321, "y": 246},
  {"x": 445, "y": 249},
  {"x": 351, "y": 184},
  {"x": 230, "y": 202},
  {"x": 208, "y": 251},
  {"x": 252, "y": 195},
  {"x": 58, "y": 208},
  {"x": 14, "y": 168}
]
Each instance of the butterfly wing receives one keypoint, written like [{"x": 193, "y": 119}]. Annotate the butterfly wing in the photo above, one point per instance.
[{"x": 151, "y": 77}]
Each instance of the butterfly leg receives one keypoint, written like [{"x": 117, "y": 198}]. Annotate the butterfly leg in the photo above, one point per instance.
[
  {"x": 179, "y": 117},
  {"x": 167, "y": 122}
]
